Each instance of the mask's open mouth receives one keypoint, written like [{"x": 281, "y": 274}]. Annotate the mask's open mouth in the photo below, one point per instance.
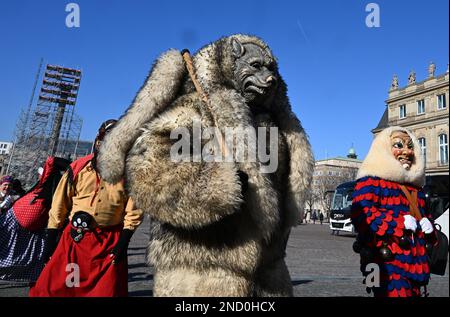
[
  {"x": 405, "y": 161},
  {"x": 252, "y": 85},
  {"x": 255, "y": 89}
]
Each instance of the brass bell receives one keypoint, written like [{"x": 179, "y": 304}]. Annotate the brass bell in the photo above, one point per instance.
[
  {"x": 386, "y": 254},
  {"x": 404, "y": 243}
]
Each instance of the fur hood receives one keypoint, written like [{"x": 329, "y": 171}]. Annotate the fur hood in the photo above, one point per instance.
[
  {"x": 214, "y": 63},
  {"x": 380, "y": 161}
]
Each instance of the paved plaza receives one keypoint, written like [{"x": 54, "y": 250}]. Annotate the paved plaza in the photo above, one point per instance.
[{"x": 321, "y": 265}]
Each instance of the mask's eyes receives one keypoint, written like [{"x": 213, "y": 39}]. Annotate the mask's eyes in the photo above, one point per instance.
[
  {"x": 398, "y": 145},
  {"x": 410, "y": 145},
  {"x": 256, "y": 65}
]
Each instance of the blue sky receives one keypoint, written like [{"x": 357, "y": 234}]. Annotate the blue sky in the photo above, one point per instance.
[{"x": 337, "y": 69}]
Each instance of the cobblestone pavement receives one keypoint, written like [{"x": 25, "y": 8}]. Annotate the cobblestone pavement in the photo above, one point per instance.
[{"x": 320, "y": 264}]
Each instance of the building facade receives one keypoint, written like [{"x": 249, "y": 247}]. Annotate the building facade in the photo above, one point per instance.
[
  {"x": 328, "y": 174},
  {"x": 422, "y": 107},
  {"x": 5, "y": 148},
  {"x": 3, "y": 164}
]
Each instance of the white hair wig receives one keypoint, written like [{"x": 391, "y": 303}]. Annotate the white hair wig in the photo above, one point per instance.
[{"x": 380, "y": 161}]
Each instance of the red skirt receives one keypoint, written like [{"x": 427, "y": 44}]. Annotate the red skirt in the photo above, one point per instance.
[{"x": 84, "y": 268}]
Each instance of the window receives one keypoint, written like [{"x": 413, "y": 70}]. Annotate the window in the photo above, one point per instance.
[
  {"x": 420, "y": 106},
  {"x": 443, "y": 149},
  {"x": 423, "y": 148},
  {"x": 441, "y": 101},
  {"x": 402, "y": 111}
]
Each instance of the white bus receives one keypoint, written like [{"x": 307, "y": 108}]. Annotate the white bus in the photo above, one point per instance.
[{"x": 340, "y": 209}]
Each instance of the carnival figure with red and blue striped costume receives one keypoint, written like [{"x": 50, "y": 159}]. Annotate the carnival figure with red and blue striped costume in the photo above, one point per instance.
[{"x": 394, "y": 228}]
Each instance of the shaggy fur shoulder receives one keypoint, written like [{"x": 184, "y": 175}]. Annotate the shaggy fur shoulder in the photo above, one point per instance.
[
  {"x": 301, "y": 158},
  {"x": 158, "y": 91},
  {"x": 381, "y": 162}
]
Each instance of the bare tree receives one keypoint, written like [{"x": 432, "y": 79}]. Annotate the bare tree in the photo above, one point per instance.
[
  {"x": 325, "y": 185},
  {"x": 311, "y": 198}
]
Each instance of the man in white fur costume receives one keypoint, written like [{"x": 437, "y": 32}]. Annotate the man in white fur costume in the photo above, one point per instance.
[
  {"x": 218, "y": 228},
  {"x": 395, "y": 230}
]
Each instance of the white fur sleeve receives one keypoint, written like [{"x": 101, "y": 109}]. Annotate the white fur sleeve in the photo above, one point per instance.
[{"x": 158, "y": 91}]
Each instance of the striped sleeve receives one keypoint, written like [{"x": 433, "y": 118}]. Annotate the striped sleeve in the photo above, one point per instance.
[{"x": 368, "y": 215}]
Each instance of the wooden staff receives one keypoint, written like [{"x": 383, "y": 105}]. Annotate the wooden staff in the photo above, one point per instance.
[{"x": 203, "y": 96}]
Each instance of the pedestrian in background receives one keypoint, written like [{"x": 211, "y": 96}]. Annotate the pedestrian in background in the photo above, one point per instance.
[{"x": 7, "y": 195}]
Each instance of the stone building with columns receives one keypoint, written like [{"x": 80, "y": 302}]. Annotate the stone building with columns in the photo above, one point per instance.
[{"x": 422, "y": 107}]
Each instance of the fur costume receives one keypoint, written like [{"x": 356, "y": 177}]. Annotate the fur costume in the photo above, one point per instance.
[
  {"x": 208, "y": 237},
  {"x": 378, "y": 212}
]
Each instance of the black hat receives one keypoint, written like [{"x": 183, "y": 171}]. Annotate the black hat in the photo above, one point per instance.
[{"x": 105, "y": 128}]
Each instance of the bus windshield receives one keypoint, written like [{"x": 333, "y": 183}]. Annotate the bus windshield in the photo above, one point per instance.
[{"x": 342, "y": 199}]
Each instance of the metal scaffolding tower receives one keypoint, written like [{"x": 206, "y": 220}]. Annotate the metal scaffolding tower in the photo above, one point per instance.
[{"x": 45, "y": 130}]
